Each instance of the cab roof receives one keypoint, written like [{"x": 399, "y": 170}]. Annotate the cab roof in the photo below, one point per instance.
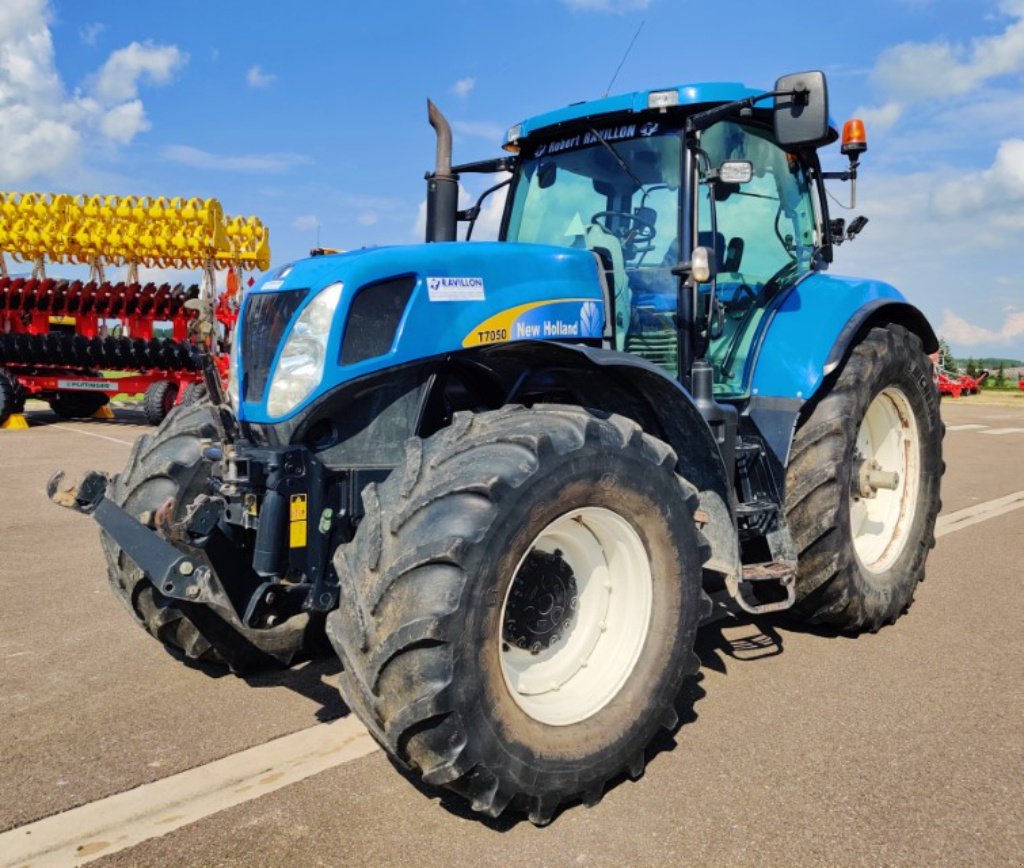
[{"x": 638, "y": 101}]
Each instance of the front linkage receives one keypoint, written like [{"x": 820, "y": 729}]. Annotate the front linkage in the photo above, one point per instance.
[{"x": 277, "y": 504}]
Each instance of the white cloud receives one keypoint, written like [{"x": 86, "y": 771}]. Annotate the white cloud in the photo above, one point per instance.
[
  {"x": 957, "y": 330},
  {"x": 615, "y": 7},
  {"x": 124, "y": 122},
  {"x": 480, "y": 129},
  {"x": 305, "y": 223},
  {"x": 882, "y": 117},
  {"x": 44, "y": 130},
  {"x": 463, "y": 86},
  {"x": 998, "y": 190},
  {"x": 118, "y": 79},
  {"x": 367, "y": 218},
  {"x": 914, "y": 71},
  {"x": 91, "y": 32},
  {"x": 200, "y": 159},
  {"x": 256, "y": 77}
]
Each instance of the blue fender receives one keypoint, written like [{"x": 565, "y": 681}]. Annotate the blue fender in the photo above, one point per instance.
[{"x": 813, "y": 326}]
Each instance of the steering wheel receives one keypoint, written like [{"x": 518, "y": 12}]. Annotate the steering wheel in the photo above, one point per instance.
[{"x": 635, "y": 231}]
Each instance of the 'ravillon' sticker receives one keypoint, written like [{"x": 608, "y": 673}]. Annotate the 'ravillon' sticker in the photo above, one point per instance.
[{"x": 455, "y": 288}]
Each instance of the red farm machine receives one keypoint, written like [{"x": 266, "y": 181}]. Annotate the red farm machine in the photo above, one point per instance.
[
  {"x": 77, "y": 343},
  {"x": 953, "y": 382}
]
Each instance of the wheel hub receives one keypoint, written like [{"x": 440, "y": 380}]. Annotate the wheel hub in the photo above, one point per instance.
[{"x": 541, "y": 602}]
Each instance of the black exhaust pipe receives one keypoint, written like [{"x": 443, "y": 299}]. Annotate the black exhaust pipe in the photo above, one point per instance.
[{"x": 442, "y": 185}]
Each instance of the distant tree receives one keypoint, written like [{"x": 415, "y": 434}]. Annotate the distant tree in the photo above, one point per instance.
[
  {"x": 972, "y": 367},
  {"x": 945, "y": 354},
  {"x": 1001, "y": 376}
]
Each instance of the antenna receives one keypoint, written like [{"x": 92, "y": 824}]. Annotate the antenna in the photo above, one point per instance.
[{"x": 607, "y": 90}]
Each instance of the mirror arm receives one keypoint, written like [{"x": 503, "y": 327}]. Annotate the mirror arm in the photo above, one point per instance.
[
  {"x": 487, "y": 167},
  {"x": 849, "y": 175},
  {"x": 703, "y": 120},
  {"x": 470, "y": 214}
]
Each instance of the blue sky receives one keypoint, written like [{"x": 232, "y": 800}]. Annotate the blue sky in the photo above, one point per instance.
[{"x": 313, "y": 113}]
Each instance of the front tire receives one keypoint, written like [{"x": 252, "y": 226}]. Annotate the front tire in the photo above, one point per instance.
[
  {"x": 169, "y": 463},
  {"x": 518, "y": 606},
  {"x": 862, "y": 549}
]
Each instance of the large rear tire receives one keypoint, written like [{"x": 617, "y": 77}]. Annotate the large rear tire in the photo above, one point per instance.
[
  {"x": 518, "y": 606},
  {"x": 169, "y": 464},
  {"x": 862, "y": 548}
]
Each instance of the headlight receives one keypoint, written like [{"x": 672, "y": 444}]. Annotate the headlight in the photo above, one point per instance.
[{"x": 300, "y": 366}]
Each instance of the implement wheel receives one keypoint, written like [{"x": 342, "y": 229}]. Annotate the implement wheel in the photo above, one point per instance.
[
  {"x": 77, "y": 405},
  {"x": 11, "y": 400},
  {"x": 169, "y": 464},
  {"x": 862, "y": 487},
  {"x": 518, "y": 606},
  {"x": 159, "y": 401}
]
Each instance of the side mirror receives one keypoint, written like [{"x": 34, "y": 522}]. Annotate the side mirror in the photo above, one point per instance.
[{"x": 800, "y": 112}]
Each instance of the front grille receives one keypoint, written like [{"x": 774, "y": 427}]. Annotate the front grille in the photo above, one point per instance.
[{"x": 266, "y": 317}]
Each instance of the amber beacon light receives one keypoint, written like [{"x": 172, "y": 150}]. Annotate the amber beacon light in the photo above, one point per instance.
[{"x": 855, "y": 140}]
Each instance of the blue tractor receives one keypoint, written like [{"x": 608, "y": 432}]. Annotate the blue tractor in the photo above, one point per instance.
[{"x": 509, "y": 480}]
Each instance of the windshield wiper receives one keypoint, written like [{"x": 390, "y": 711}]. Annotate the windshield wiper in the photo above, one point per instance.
[{"x": 618, "y": 158}]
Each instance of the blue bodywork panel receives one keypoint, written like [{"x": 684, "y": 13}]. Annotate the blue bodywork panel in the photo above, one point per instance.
[
  {"x": 465, "y": 295},
  {"x": 799, "y": 336}
]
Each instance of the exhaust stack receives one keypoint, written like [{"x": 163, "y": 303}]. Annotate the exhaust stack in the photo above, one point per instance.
[{"x": 442, "y": 185}]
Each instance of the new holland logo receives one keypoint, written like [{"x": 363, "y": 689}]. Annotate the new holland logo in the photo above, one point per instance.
[{"x": 590, "y": 320}]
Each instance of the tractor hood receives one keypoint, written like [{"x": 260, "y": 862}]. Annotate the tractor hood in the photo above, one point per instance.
[{"x": 397, "y": 305}]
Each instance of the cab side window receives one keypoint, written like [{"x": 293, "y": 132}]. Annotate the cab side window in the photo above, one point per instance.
[{"x": 768, "y": 229}]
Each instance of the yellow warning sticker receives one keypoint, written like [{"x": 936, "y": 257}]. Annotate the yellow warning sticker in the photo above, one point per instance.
[
  {"x": 297, "y": 534},
  {"x": 298, "y": 507}
]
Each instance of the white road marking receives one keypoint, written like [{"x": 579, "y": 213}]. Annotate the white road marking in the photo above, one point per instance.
[
  {"x": 979, "y": 512},
  {"x": 969, "y": 427},
  {"x": 87, "y": 433},
  {"x": 126, "y": 819},
  {"x": 998, "y": 431},
  {"x": 123, "y": 820}
]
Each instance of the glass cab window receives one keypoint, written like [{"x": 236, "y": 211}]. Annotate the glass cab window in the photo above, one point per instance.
[
  {"x": 765, "y": 240},
  {"x": 621, "y": 199}
]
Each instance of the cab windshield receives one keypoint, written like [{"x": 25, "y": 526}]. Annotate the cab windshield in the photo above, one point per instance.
[{"x": 619, "y": 197}]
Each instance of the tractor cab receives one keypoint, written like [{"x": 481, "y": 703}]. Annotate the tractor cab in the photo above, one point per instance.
[{"x": 622, "y": 190}]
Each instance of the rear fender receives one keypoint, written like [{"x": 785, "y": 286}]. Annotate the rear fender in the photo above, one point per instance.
[{"x": 816, "y": 323}]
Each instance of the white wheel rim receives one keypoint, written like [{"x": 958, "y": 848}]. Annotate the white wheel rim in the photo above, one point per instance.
[
  {"x": 599, "y": 640},
  {"x": 881, "y": 522}
]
